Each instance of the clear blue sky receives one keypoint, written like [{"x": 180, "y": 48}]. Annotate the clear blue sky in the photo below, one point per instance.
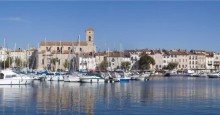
[{"x": 134, "y": 25}]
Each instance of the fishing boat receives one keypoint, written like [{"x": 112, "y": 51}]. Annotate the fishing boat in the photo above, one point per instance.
[{"x": 8, "y": 77}]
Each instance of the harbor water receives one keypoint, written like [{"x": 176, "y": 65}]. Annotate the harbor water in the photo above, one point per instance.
[{"x": 158, "y": 96}]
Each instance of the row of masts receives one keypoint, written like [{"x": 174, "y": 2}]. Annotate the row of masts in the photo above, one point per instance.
[{"x": 9, "y": 57}]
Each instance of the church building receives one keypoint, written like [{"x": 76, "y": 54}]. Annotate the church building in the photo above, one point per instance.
[{"x": 54, "y": 55}]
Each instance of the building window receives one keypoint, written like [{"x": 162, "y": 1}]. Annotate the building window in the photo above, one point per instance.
[
  {"x": 58, "y": 48},
  {"x": 113, "y": 59},
  {"x": 164, "y": 61},
  {"x": 80, "y": 49},
  {"x": 42, "y": 61},
  {"x": 90, "y": 38},
  {"x": 68, "y": 48}
]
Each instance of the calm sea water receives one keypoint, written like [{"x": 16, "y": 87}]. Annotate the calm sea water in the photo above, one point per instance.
[{"x": 167, "y": 96}]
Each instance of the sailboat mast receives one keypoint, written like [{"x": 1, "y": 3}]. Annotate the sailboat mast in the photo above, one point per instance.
[
  {"x": 60, "y": 56},
  {"x": 79, "y": 52},
  {"x": 27, "y": 56},
  {"x": 108, "y": 58},
  {"x": 3, "y": 50},
  {"x": 45, "y": 51},
  {"x": 14, "y": 56}
]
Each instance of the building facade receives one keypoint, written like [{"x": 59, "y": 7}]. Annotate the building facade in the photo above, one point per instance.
[{"x": 52, "y": 55}]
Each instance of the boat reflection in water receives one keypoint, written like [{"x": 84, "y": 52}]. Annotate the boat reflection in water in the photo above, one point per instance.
[
  {"x": 15, "y": 98},
  {"x": 160, "y": 95}
]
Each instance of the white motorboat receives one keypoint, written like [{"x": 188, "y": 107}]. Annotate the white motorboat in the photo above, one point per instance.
[
  {"x": 134, "y": 76},
  {"x": 144, "y": 77},
  {"x": 214, "y": 75},
  {"x": 56, "y": 78},
  {"x": 75, "y": 77},
  {"x": 39, "y": 77},
  {"x": 8, "y": 77},
  {"x": 115, "y": 76},
  {"x": 92, "y": 79}
]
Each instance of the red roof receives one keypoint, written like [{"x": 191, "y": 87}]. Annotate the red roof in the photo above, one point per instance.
[{"x": 63, "y": 43}]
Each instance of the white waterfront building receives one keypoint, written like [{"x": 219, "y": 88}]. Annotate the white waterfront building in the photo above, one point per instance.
[{"x": 3, "y": 54}]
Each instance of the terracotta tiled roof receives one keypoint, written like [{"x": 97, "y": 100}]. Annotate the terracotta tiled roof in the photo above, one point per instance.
[
  {"x": 89, "y": 29},
  {"x": 101, "y": 54},
  {"x": 18, "y": 50},
  {"x": 177, "y": 53},
  {"x": 156, "y": 52},
  {"x": 142, "y": 50},
  {"x": 116, "y": 54},
  {"x": 200, "y": 54},
  {"x": 209, "y": 55},
  {"x": 63, "y": 43},
  {"x": 32, "y": 49}
]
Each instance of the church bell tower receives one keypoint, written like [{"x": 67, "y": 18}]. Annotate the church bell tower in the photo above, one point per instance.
[{"x": 90, "y": 35}]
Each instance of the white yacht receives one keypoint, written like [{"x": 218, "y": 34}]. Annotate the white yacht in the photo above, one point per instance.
[
  {"x": 8, "y": 77},
  {"x": 92, "y": 79},
  {"x": 75, "y": 77},
  {"x": 214, "y": 75}
]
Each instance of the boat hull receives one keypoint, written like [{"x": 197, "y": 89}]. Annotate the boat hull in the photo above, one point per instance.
[
  {"x": 173, "y": 74},
  {"x": 213, "y": 76},
  {"x": 71, "y": 79},
  {"x": 124, "y": 79},
  {"x": 92, "y": 80},
  {"x": 16, "y": 81}
]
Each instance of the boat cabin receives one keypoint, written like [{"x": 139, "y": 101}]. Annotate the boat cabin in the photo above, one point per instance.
[{"x": 4, "y": 74}]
